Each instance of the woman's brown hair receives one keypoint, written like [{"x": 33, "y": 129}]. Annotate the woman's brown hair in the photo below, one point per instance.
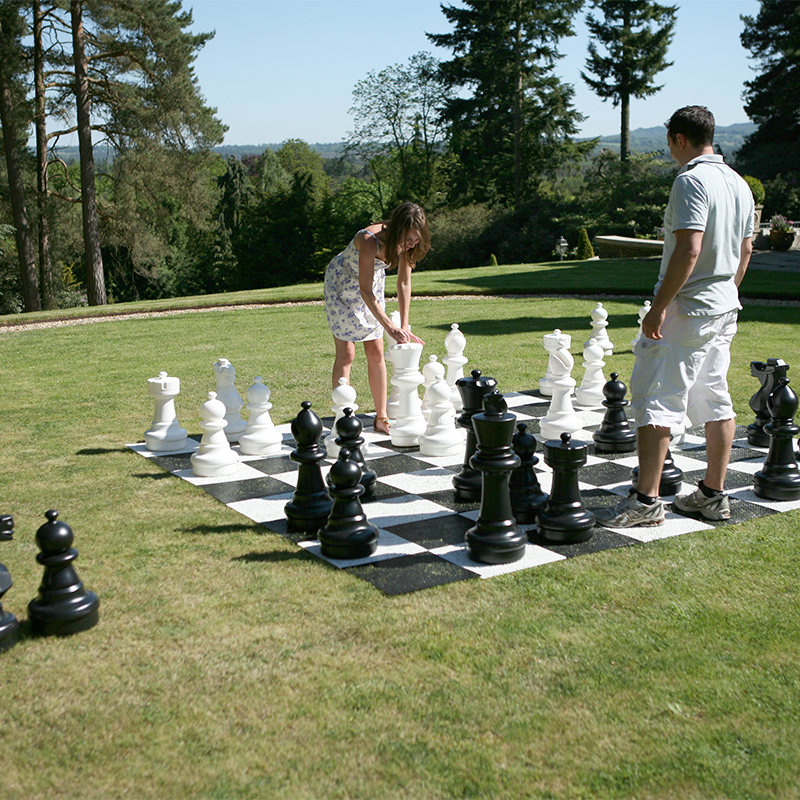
[{"x": 405, "y": 218}]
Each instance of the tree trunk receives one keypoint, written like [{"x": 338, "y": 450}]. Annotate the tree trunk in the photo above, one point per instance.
[
  {"x": 625, "y": 94},
  {"x": 45, "y": 263},
  {"x": 16, "y": 188},
  {"x": 518, "y": 109},
  {"x": 95, "y": 279}
]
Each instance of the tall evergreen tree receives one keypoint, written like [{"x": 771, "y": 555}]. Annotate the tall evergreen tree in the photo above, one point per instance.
[
  {"x": 773, "y": 39},
  {"x": 517, "y": 123},
  {"x": 14, "y": 124},
  {"x": 95, "y": 277},
  {"x": 636, "y": 36}
]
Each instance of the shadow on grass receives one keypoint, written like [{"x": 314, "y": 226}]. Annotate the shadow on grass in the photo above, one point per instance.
[
  {"x": 153, "y": 476},
  {"x": 516, "y": 325},
  {"x": 101, "y": 451},
  {"x": 277, "y": 557},
  {"x": 211, "y": 530}
]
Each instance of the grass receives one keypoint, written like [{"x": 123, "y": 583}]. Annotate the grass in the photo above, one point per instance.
[
  {"x": 626, "y": 277},
  {"x": 229, "y": 664}
]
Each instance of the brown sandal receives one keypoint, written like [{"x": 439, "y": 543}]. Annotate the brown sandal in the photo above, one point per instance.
[{"x": 384, "y": 420}]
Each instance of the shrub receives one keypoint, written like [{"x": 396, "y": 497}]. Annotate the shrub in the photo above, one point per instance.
[
  {"x": 757, "y": 188},
  {"x": 585, "y": 249}
]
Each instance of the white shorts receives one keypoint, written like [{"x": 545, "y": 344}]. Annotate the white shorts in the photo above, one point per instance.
[{"x": 685, "y": 374}]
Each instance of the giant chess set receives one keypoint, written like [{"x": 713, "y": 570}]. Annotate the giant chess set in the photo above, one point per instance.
[{"x": 470, "y": 482}]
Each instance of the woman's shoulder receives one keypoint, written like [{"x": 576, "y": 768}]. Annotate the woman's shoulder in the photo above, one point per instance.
[{"x": 368, "y": 238}]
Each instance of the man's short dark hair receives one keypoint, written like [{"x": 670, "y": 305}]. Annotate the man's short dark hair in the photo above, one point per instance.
[{"x": 696, "y": 123}]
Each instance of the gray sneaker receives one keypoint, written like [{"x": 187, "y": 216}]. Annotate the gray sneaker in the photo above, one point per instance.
[
  {"x": 631, "y": 513},
  {"x": 714, "y": 508}
]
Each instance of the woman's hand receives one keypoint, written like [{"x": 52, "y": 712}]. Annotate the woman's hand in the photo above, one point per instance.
[{"x": 403, "y": 335}]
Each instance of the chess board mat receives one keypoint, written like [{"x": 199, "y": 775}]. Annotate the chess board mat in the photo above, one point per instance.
[{"x": 421, "y": 524}]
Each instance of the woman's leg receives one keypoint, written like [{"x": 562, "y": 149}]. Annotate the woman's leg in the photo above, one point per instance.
[
  {"x": 345, "y": 353},
  {"x": 376, "y": 371}
]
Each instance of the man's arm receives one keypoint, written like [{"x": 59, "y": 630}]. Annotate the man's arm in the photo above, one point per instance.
[
  {"x": 680, "y": 267},
  {"x": 744, "y": 261}
]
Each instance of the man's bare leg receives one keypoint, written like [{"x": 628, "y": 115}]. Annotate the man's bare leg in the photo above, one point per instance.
[
  {"x": 719, "y": 440},
  {"x": 652, "y": 443}
]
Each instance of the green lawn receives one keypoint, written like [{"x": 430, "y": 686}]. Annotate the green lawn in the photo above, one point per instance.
[{"x": 229, "y": 664}]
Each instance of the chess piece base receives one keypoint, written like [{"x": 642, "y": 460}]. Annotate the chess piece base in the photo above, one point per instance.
[
  {"x": 777, "y": 486},
  {"x": 62, "y": 619},
  {"x": 561, "y": 525},
  {"x": 9, "y": 628},
  {"x": 502, "y": 545}
]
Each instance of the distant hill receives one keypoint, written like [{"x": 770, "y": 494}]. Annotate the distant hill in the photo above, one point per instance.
[
  {"x": 653, "y": 140},
  {"x": 643, "y": 140}
]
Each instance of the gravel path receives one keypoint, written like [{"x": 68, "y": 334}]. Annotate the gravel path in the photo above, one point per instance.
[{"x": 111, "y": 317}]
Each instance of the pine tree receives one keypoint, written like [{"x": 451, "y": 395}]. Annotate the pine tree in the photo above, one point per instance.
[
  {"x": 773, "y": 39},
  {"x": 13, "y": 124},
  {"x": 636, "y": 37},
  {"x": 516, "y": 125}
]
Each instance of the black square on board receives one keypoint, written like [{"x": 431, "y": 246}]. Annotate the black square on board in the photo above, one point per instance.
[
  {"x": 247, "y": 489},
  {"x": 410, "y": 573},
  {"x": 435, "y": 532}
]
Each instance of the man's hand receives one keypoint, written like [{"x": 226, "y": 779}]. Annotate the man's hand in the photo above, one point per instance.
[{"x": 652, "y": 322}]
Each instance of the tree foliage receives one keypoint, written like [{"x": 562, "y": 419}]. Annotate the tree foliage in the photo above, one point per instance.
[
  {"x": 516, "y": 124},
  {"x": 635, "y": 38},
  {"x": 771, "y": 98},
  {"x": 398, "y": 131}
]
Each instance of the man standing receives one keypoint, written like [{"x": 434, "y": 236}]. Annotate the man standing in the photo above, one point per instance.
[{"x": 683, "y": 356}]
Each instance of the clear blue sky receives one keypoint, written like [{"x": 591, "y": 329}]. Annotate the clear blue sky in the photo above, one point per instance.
[{"x": 286, "y": 69}]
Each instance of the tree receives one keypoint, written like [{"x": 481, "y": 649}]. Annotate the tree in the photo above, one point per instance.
[
  {"x": 398, "y": 130},
  {"x": 128, "y": 65},
  {"x": 517, "y": 124},
  {"x": 11, "y": 29},
  {"x": 636, "y": 37},
  {"x": 773, "y": 39},
  {"x": 95, "y": 277}
]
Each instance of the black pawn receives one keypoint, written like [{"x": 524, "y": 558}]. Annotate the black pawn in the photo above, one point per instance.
[
  {"x": 671, "y": 477},
  {"x": 779, "y": 478},
  {"x": 564, "y": 519},
  {"x": 348, "y": 429},
  {"x": 495, "y": 538},
  {"x": 768, "y": 374},
  {"x": 348, "y": 533},
  {"x": 8, "y": 622},
  {"x": 63, "y": 606},
  {"x": 615, "y": 434},
  {"x": 308, "y": 509},
  {"x": 527, "y": 496},
  {"x": 468, "y": 481}
]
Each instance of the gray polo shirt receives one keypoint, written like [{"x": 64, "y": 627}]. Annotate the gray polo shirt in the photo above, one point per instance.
[{"x": 707, "y": 195}]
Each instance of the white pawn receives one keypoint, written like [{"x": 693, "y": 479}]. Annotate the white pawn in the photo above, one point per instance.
[
  {"x": 642, "y": 314},
  {"x": 214, "y": 457},
  {"x": 226, "y": 391},
  {"x": 165, "y": 431},
  {"x": 261, "y": 437},
  {"x": 552, "y": 342},
  {"x": 590, "y": 392},
  {"x": 431, "y": 372},
  {"x": 392, "y": 404},
  {"x": 409, "y": 423},
  {"x": 561, "y": 416},
  {"x": 343, "y": 396},
  {"x": 599, "y": 332},
  {"x": 455, "y": 343},
  {"x": 441, "y": 437}
]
